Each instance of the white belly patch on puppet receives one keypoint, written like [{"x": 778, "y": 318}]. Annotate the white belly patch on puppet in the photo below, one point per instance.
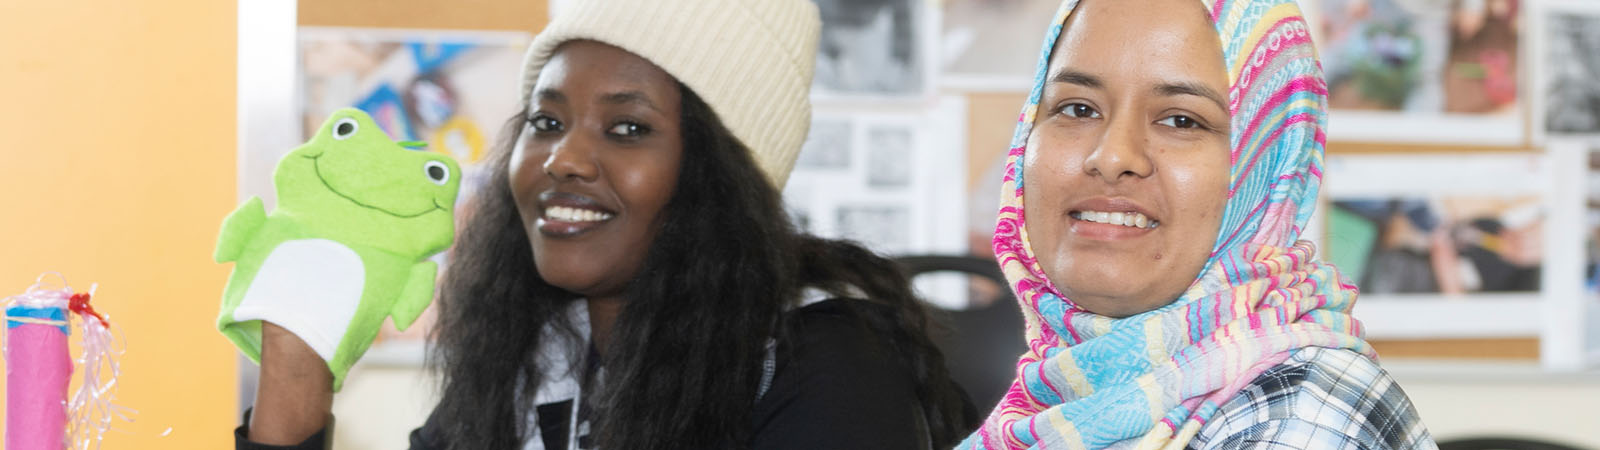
[{"x": 311, "y": 287}]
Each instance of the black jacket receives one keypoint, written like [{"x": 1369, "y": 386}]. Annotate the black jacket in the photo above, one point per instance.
[{"x": 836, "y": 387}]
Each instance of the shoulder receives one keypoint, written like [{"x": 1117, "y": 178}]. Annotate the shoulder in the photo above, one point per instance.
[
  {"x": 837, "y": 384},
  {"x": 1318, "y": 398},
  {"x": 835, "y": 319},
  {"x": 842, "y": 336},
  {"x": 838, "y": 341}
]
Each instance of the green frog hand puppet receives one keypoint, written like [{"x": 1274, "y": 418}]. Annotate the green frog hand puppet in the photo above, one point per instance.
[{"x": 347, "y": 245}]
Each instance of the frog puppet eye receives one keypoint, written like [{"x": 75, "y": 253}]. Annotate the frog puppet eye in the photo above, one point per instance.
[
  {"x": 437, "y": 172},
  {"x": 345, "y": 128}
]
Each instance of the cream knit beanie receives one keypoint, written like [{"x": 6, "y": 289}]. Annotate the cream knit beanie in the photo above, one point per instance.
[{"x": 750, "y": 60}]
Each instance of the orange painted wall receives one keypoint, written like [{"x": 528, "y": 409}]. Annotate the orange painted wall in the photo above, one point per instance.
[{"x": 117, "y": 135}]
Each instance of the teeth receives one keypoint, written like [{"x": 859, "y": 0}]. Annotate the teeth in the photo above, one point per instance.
[
  {"x": 1127, "y": 219},
  {"x": 566, "y": 214}
]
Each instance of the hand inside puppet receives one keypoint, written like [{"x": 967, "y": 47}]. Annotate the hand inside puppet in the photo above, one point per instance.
[{"x": 347, "y": 245}]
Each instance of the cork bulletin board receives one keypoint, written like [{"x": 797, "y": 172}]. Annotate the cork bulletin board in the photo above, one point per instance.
[
  {"x": 524, "y": 15},
  {"x": 988, "y": 128}
]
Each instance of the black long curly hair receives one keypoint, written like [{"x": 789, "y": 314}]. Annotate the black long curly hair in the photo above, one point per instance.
[{"x": 714, "y": 286}]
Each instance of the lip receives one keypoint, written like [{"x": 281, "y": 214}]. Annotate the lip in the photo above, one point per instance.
[
  {"x": 563, "y": 229},
  {"x": 1105, "y": 231}
]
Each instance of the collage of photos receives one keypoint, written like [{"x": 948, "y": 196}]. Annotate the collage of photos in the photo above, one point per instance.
[
  {"x": 1454, "y": 66},
  {"x": 875, "y": 179},
  {"x": 1440, "y": 73},
  {"x": 889, "y": 163},
  {"x": 884, "y": 180}
]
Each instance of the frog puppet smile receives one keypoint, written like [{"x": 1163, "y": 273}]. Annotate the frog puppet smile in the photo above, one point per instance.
[
  {"x": 347, "y": 245},
  {"x": 347, "y": 168},
  {"x": 435, "y": 170}
]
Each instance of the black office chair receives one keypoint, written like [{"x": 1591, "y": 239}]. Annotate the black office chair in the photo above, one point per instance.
[
  {"x": 1501, "y": 443},
  {"x": 981, "y": 344}
]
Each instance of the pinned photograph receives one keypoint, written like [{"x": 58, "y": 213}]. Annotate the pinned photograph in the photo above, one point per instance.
[
  {"x": 447, "y": 89},
  {"x": 889, "y": 163},
  {"x": 1572, "y": 80},
  {"x": 882, "y": 228},
  {"x": 871, "y": 48},
  {"x": 1449, "y": 245},
  {"x": 979, "y": 42},
  {"x": 828, "y": 146}
]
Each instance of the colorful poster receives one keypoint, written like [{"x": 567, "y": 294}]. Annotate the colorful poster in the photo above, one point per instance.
[{"x": 444, "y": 88}]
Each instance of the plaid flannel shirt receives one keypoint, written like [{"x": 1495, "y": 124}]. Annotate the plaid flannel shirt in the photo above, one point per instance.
[{"x": 1318, "y": 399}]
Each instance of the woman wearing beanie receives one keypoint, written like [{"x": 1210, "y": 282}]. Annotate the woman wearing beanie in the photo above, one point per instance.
[
  {"x": 629, "y": 279},
  {"x": 1159, "y": 180}
]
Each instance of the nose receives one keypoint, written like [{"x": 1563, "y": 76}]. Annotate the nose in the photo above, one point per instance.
[
  {"x": 1123, "y": 152},
  {"x": 572, "y": 158}
]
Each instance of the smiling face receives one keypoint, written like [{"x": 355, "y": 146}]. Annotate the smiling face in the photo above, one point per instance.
[
  {"x": 595, "y": 165},
  {"x": 1127, "y": 166},
  {"x": 351, "y": 182}
]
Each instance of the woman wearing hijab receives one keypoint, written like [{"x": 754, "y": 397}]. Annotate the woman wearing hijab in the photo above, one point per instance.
[{"x": 1164, "y": 166}]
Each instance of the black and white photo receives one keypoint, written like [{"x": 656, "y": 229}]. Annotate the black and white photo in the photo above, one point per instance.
[
  {"x": 1572, "y": 85},
  {"x": 870, "y": 48},
  {"x": 884, "y": 228},
  {"x": 979, "y": 42},
  {"x": 828, "y": 145},
  {"x": 889, "y": 162}
]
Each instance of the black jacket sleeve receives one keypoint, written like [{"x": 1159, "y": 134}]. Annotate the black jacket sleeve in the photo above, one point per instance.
[
  {"x": 421, "y": 438},
  {"x": 320, "y": 440},
  {"x": 838, "y": 387}
]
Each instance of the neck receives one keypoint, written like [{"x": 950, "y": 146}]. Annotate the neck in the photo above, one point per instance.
[{"x": 603, "y": 313}]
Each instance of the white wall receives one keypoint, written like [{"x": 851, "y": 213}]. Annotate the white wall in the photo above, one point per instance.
[{"x": 1459, "y": 400}]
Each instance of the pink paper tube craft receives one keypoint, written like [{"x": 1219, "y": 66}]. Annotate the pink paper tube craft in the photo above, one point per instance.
[{"x": 38, "y": 370}]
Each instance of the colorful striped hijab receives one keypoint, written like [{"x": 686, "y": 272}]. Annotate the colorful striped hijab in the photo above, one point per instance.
[{"x": 1153, "y": 379}]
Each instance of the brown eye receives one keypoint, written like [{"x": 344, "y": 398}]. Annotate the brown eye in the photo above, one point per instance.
[
  {"x": 628, "y": 129},
  {"x": 544, "y": 123},
  {"x": 1081, "y": 111},
  {"x": 1180, "y": 121}
]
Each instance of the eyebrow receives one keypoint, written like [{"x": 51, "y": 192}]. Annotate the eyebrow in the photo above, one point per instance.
[
  {"x": 1191, "y": 88},
  {"x": 551, "y": 95},
  {"x": 627, "y": 97},
  {"x": 1071, "y": 76},
  {"x": 616, "y": 98},
  {"x": 1169, "y": 89}
]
